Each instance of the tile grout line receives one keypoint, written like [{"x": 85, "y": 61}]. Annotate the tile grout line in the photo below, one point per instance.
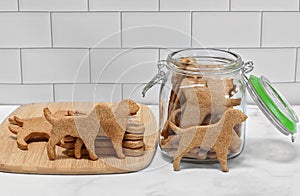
[
  {"x": 150, "y": 11},
  {"x": 158, "y": 54},
  {"x": 159, "y": 5},
  {"x": 90, "y": 66},
  {"x": 121, "y": 30},
  {"x": 296, "y": 65},
  {"x": 285, "y": 82},
  {"x": 299, "y": 5},
  {"x": 229, "y": 5},
  {"x": 18, "y": 4},
  {"x": 51, "y": 30},
  {"x": 137, "y": 48},
  {"x": 191, "y": 29},
  {"x": 53, "y": 92},
  {"x": 122, "y": 91},
  {"x": 72, "y": 83},
  {"x": 88, "y": 5},
  {"x": 261, "y": 29},
  {"x": 81, "y": 48},
  {"x": 21, "y": 67}
]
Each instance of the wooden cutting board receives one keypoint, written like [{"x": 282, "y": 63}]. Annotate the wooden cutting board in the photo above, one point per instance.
[{"x": 35, "y": 159}]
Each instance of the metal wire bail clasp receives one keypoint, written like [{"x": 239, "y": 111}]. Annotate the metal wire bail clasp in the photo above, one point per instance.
[
  {"x": 247, "y": 68},
  {"x": 159, "y": 76}
]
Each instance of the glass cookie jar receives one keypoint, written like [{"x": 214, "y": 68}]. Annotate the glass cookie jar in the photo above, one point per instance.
[{"x": 205, "y": 89}]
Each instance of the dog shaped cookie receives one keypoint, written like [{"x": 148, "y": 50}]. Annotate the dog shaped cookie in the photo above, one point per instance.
[
  {"x": 86, "y": 128},
  {"x": 33, "y": 129},
  {"x": 216, "y": 137}
]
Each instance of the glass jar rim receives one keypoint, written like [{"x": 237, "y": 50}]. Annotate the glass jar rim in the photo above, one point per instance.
[{"x": 232, "y": 64}]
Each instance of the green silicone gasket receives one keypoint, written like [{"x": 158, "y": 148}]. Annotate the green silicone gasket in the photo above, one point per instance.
[{"x": 267, "y": 100}]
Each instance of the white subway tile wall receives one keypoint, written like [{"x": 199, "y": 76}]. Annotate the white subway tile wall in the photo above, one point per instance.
[
  {"x": 23, "y": 94},
  {"x": 21, "y": 29},
  {"x": 123, "y": 65},
  {"x": 10, "y": 66},
  {"x": 265, "y": 5},
  {"x": 88, "y": 92},
  {"x": 226, "y": 29},
  {"x": 53, "y": 5},
  {"x": 156, "y": 29},
  {"x": 121, "y": 5},
  {"x": 278, "y": 65},
  {"x": 55, "y": 65},
  {"x": 281, "y": 29},
  {"x": 98, "y": 50},
  {"x": 298, "y": 66},
  {"x": 8, "y": 5},
  {"x": 86, "y": 29},
  {"x": 194, "y": 5}
]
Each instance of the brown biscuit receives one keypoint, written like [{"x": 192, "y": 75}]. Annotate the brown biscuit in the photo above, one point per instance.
[
  {"x": 67, "y": 145},
  {"x": 237, "y": 128},
  {"x": 86, "y": 128},
  {"x": 236, "y": 143},
  {"x": 134, "y": 152},
  {"x": 176, "y": 100},
  {"x": 134, "y": 122},
  {"x": 135, "y": 130},
  {"x": 69, "y": 139},
  {"x": 216, "y": 137},
  {"x": 100, "y": 151},
  {"x": 205, "y": 101},
  {"x": 103, "y": 143},
  {"x": 196, "y": 100},
  {"x": 170, "y": 143},
  {"x": 212, "y": 155},
  {"x": 176, "y": 116},
  {"x": 32, "y": 129},
  {"x": 133, "y": 144},
  {"x": 194, "y": 154},
  {"x": 197, "y": 105},
  {"x": 131, "y": 136}
]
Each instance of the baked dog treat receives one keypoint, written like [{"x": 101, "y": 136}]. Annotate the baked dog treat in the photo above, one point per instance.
[
  {"x": 32, "y": 129},
  {"x": 105, "y": 143},
  {"x": 104, "y": 146},
  {"x": 175, "y": 100},
  {"x": 133, "y": 137},
  {"x": 202, "y": 101},
  {"x": 133, "y": 144},
  {"x": 171, "y": 145},
  {"x": 69, "y": 139},
  {"x": 101, "y": 120},
  {"x": 136, "y": 152},
  {"x": 217, "y": 137},
  {"x": 101, "y": 151}
]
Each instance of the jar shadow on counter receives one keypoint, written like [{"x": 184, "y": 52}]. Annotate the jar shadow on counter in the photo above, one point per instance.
[{"x": 273, "y": 150}]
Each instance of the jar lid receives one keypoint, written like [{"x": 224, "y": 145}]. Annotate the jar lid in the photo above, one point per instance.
[{"x": 272, "y": 103}]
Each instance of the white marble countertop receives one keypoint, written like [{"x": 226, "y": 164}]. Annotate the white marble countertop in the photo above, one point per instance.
[{"x": 269, "y": 165}]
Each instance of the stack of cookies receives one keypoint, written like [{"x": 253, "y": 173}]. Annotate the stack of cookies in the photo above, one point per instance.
[{"x": 133, "y": 144}]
